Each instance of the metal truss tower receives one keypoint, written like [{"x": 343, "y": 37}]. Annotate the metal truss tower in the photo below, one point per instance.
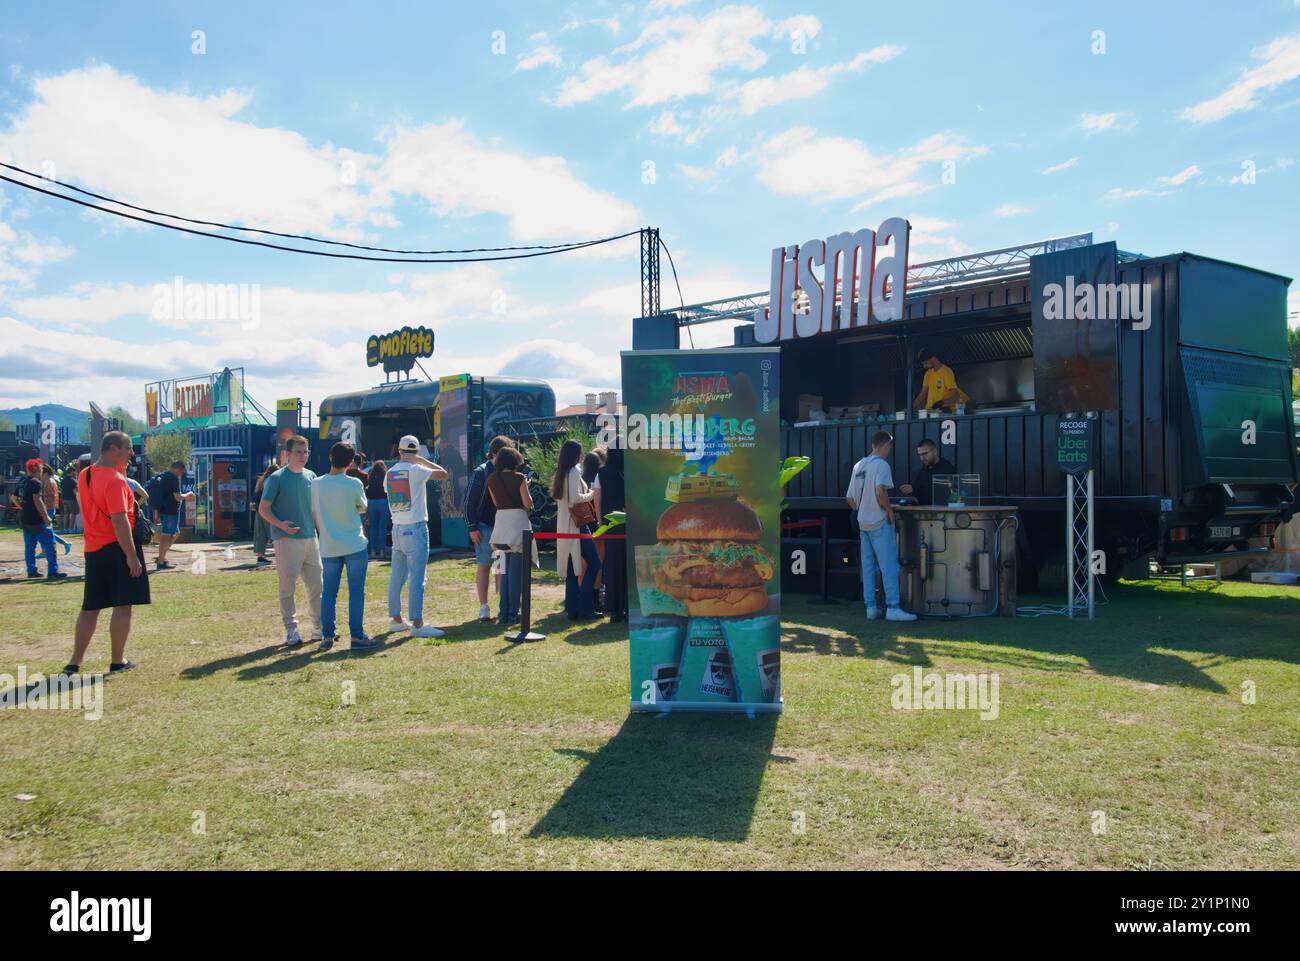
[{"x": 649, "y": 271}]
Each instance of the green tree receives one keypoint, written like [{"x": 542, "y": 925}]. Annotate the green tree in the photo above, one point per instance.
[
  {"x": 130, "y": 423},
  {"x": 161, "y": 450},
  {"x": 541, "y": 456},
  {"x": 6, "y": 424},
  {"x": 1293, "y": 346}
]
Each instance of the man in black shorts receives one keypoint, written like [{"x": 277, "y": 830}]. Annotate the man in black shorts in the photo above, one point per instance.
[{"x": 115, "y": 571}]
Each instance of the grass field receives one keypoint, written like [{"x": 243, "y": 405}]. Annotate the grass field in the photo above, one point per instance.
[{"x": 469, "y": 752}]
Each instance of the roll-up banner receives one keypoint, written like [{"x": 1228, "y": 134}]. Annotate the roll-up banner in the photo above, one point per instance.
[{"x": 702, "y": 478}]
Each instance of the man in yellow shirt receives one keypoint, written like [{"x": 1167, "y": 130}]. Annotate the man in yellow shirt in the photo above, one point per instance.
[{"x": 939, "y": 389}]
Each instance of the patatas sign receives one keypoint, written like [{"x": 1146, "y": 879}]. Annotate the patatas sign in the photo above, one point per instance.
[{"x": 852, "y": 272}]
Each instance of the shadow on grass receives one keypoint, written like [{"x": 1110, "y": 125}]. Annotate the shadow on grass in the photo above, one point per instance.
[
  {"x": 1193, "y": 630},
  {"x": 278, "y": 659},
  {"x": 667, "y": 776}
]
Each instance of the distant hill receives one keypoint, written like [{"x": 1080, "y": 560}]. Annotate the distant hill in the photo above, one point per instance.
[{"x": 77, "y": 421}]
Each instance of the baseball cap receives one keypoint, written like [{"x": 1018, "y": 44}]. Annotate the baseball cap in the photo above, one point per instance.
[{"x": 410, "y": 443}]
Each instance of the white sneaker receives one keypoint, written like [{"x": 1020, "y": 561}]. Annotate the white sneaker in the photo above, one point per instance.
[
  {"x": 898, "y": 614},
  {"x": 484, "y": 613},
  {"x": 427, "y": 631},
  {"x": 292, "y": 638},
  {"x": 873, "y": 613},
  {"x": 399, "y": 625}
]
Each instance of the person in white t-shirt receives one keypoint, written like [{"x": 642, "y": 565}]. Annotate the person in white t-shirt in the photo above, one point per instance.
[
  {"x": 868, "y": 495},
  {"x": 408, "y": 505}
]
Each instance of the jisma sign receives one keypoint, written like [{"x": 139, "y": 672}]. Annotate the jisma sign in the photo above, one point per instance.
[{"x": 850, "y": 273}]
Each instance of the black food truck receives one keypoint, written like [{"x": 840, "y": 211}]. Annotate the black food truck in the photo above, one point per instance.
[{"x": 1185, "y": 376}]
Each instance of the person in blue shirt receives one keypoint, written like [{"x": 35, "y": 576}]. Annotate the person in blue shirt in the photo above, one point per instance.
[{"x": 338, "y": 503}]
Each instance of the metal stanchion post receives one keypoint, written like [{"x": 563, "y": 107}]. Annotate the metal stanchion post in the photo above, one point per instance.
[
  {"x": 826, "y": 565},
  {"x": 525, "y": 597}
]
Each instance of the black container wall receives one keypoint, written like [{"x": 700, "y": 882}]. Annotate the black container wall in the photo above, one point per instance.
[{"x": 1138, "y": 450}]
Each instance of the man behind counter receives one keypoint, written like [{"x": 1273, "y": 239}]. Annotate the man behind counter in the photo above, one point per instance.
[
  {"x": 931, "y": 463},
  {"x": 939, "y": 388}
]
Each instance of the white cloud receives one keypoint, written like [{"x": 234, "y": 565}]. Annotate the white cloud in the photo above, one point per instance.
[
  {"x": 1184, "y": 175},
  {"x": 541, "y": 55},
  {"x": 1063, "y": 165},
  {"x": 609, "y": 23},
  {"x": 805, "y": 25},
  {"x": 854, "y": 169},
  {"x": 723, "y": 160},
  {"x": 187, "y": 154},
  {"x": 667, "y": 125},
  {"x": 195, "y": 156},
  {"x": 763, "y": 92},
  {"x": 933, "y": 238},
  {"x": 1098, "y": 122},
  {"x": 1120, "y": 193},
  {"x": 1011, "y": 210},
  {"x": 1279, "y": 64},
  {"x": 539, "y": 196},
  {"x": 674, "y": 57},
  {"x": 699, "y": 174},
  {"x": 22, "y": 255}
]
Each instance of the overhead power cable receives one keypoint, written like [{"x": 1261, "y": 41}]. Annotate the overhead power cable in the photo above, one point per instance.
[
  {"x": 689, "y": 334},
  {"x": 418, "y": 256}
]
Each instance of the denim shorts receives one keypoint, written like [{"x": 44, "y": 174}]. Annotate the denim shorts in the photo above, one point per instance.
[
  {"x": 171, "y": 524},
  {"x": 483, "y": 550}
]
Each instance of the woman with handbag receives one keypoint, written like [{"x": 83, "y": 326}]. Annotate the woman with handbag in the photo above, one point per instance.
[
  {"x": 575, "y": 513},
  {"x": 508, "y": 488}
]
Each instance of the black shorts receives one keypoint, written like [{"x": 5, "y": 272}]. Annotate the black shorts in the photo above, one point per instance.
[{"x": 109, "y": 582}]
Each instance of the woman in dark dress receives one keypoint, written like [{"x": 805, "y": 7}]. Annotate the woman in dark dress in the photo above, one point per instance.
[{"x": 615, "y": 568}]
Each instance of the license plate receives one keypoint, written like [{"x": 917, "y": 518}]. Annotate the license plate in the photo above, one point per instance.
[{"x": 1224, "y": 533}]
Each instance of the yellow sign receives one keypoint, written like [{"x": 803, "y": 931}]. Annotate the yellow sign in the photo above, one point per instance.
[
  {"x": 287, "y": 403},
  {"x": 398, "y": 350},
  {"x": 453, "y": 381}
]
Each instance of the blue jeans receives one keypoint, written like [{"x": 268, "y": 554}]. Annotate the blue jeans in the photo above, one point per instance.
[
  {"x": 410, "y": 555},
  {"x": 356, "y": 567},
  {"x": 44, "y": 536},
  {"x": 879, "y": 554},
  {"x": 483, "y": 549},
  {"x": 512, "y": 583},
  {"x": 578, "y": 598},
  {"x": 378, "y": 514}
]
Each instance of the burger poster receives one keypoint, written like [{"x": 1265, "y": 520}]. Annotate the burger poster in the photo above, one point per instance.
[{"x": 702, "y": 479}]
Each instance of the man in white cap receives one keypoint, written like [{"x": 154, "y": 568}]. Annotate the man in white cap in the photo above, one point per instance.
[{"x": 407, "y": 502}]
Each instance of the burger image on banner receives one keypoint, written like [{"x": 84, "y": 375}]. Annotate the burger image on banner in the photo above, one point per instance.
[{"x": 713, "y": 564}]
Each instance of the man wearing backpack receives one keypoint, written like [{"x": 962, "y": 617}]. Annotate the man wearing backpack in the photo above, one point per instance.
[
  {"x": 480, "y": 515},
  {"x": 165, "y": 499}
]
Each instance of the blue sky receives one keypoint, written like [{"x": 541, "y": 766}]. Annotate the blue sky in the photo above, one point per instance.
[{"x": 733, "y": 128}]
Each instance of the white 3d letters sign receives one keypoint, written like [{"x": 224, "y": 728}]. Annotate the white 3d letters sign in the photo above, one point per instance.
[{"x": 851, "y": 272}]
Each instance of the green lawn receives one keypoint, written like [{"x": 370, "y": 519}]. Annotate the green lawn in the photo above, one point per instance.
[{"x": 472, "y": 753}]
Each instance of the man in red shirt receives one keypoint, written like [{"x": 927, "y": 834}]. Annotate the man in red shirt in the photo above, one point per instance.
[{"x": 115, "y": 572}]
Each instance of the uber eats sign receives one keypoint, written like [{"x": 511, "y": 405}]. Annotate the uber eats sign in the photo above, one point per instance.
[
  {"x": 398, "y": 351},
  {"x": 1075, "y": 444}
]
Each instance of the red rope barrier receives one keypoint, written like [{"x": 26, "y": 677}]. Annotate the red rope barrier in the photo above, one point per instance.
[
  {"x": 795, "y": 524},
  {"x": 545, "y": 536}
]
